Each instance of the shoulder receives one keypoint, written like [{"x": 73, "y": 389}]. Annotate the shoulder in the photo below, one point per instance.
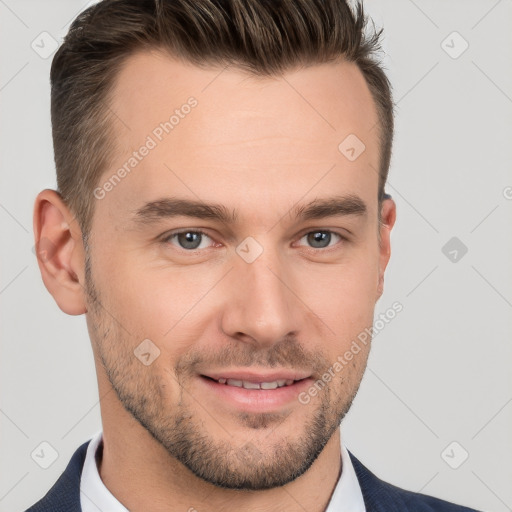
[
  {"x": 380, "y": 496},
  {"x": 64, "y": 496}
]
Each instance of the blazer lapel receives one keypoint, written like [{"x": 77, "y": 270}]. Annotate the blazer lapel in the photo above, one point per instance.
[
  {"x": 64, "y": 496},
  {"x": 378, "y": 495}
]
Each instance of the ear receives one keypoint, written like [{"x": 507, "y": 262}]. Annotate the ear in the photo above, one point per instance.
[
  {"x": 388, "y": 217},
  {"x": 60, "y": 252}
]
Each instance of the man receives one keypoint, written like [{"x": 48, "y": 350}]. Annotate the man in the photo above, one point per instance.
[{"x": 221, "y": 220}]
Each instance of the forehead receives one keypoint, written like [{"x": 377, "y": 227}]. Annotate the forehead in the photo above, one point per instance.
[{"x": 278, "y": 136}]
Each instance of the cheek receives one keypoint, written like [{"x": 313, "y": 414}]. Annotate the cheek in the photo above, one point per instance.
[
  {"x": 157, "y": 301},
  {"x": 163, "y": 304},
  {"x": 342, "y": 295}
]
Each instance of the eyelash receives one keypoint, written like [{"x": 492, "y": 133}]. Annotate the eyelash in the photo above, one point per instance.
[{"x": 167, "y": 238}]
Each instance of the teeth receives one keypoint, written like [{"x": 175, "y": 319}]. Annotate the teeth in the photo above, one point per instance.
[
  {"x": 250, "y": 385},
  {"x": 256, "y": 385}
]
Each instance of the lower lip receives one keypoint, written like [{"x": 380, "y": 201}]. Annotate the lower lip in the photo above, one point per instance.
[{"x": 257, "y": 400}]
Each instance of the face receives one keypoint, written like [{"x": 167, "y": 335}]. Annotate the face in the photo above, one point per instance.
[{"x": 240, "y": 249}]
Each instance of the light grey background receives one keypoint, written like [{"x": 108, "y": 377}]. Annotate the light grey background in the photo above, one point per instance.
[{"x": 438, "y": 373}]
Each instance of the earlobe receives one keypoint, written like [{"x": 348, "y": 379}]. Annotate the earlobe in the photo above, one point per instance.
[{"x": 59, "y": 251}]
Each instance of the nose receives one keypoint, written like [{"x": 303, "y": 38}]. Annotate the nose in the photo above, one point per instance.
[{"x": 261, "y": 307}]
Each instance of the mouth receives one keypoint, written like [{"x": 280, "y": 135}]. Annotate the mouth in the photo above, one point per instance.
[{"x": 255, "y": 392}]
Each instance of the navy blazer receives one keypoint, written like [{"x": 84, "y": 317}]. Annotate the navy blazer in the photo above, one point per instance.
[{"x": 378, "y": 496}]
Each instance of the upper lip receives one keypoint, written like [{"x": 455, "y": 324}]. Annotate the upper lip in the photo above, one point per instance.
[{"x": 258, "y": 376}]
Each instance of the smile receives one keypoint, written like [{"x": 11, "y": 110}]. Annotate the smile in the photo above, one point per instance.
[{"x": 254, "y": 392}]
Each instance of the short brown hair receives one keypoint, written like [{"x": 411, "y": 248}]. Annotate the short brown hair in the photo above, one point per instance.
[{"x": 263, "y": 37}]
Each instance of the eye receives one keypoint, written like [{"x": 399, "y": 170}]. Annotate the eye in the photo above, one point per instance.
[
  {"x": 321, "y": 239},
  {"x": 188, "y": 240},
  {"x": 191, "y": 240}
]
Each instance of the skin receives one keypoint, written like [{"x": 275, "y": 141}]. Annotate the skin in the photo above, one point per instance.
[{"x": 256, "y": 146}]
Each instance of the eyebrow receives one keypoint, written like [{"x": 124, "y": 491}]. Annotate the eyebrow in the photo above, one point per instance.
[{"x": 337, "y": 206}]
